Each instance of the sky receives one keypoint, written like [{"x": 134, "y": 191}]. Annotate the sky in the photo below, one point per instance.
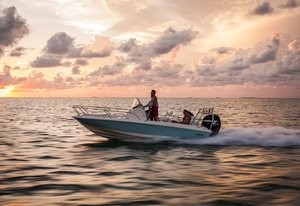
[{"x": 125, "y": 48}]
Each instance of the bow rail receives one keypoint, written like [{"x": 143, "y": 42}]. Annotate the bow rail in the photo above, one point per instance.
[{"x": 100, "y": 111}]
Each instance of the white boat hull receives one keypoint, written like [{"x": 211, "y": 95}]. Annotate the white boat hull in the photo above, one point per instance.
[{"x": 129, "y": 130}]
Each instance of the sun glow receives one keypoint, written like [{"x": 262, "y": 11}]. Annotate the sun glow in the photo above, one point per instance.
[{"x": 6, "y": 91}]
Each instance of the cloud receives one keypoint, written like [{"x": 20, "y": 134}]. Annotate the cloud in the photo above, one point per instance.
[
  {"x": 61, "y": 46},
  {"x": 7, "y": 79},
  {"x": 290, "y": 4},
  {"x": 258, "y": 65},
  {"x": 262, "y": 9},
  {"x": 76, "y": 70},
  {"x": 116, "y": 68},
  {"x": 238, "y": 63},
  {"x": 35, "y": 81},
  {"x": 81, "y": 62},
  {"x": 66, "y": 63},
  {"x": 165, "y": 43},
  {"x": 17, "y": 52},
  {"x": 139, "y": 58},
  {"x": 238, "y": 60},
  {"x": 129, "y": 23},
  {"x": 160, "y": 42},
  {"x": 100, "y": 47},
  {"x": 170, "y": 39},
  {"x": 59, "y": 43},
  {"x": 294, "y": 46},
  {"x": 264, "y": 52},
  {"x": 206, "y": 70},
  {"x": 82, "y": 52},
  {"x": 46, "y": 61},
  {"x": 77, "y": 64},
  {"x": 143, "y": 54},
  {"x": 290, "y": 62},
  {"x": 128, "y": 46},
  {"x": 142, "y": 65},
  {"x": 168, "y": 13},
  {"x": 223, "y": 50},
  {"x": 13, "y": 27},
  {"x": 106, "y": 70},
  {"x": 162, "y": 73}
]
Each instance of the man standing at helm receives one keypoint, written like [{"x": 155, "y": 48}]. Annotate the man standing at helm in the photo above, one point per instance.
[{"x": 153, "y": 106}]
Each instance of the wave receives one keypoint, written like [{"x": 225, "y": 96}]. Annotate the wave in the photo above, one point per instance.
[{"x": 270, "y": 136}]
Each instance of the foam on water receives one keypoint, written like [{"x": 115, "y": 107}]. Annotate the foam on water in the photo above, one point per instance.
[{"x": 270, "y": 136}]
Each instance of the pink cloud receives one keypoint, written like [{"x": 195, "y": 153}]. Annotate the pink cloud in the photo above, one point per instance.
[{"x": 294, "y": 46}]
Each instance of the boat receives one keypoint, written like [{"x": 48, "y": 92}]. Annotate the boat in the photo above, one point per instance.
[{"x": 134, "y": 124}]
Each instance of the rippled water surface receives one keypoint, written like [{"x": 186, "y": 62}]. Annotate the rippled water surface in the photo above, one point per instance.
[{"x": 47, "y": 158}]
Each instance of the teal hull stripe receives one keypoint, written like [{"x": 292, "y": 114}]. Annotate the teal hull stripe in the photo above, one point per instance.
[{"x": 120, "y": 126}]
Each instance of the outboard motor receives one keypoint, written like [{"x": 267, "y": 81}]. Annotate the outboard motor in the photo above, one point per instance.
[{"x": 213, "y": 123}]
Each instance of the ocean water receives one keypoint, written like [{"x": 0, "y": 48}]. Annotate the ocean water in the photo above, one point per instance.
[{"x": 48, "y": 158}]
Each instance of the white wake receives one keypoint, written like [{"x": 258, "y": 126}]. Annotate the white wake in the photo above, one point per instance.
[{"x": 269, "y": 136}]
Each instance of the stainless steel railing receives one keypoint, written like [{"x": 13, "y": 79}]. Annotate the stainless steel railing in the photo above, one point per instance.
[
  {"x": 102, "y": 111},
  {"x": 123, "y": 113}
]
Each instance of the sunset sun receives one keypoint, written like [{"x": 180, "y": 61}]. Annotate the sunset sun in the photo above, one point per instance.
[{"x": 6, "y": 91}]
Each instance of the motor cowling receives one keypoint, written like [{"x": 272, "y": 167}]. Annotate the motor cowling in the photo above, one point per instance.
[{"x": 213, "y": 123}]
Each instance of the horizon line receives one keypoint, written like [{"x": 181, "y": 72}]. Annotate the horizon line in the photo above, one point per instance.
[{"x": 161, "y": 97}]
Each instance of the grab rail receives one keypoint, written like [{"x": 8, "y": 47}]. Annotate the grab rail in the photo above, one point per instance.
[
  {"x": 102, "y": 111},
  {"x": 202, "y": 112},
  {"x": 123, "y": 113}
]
